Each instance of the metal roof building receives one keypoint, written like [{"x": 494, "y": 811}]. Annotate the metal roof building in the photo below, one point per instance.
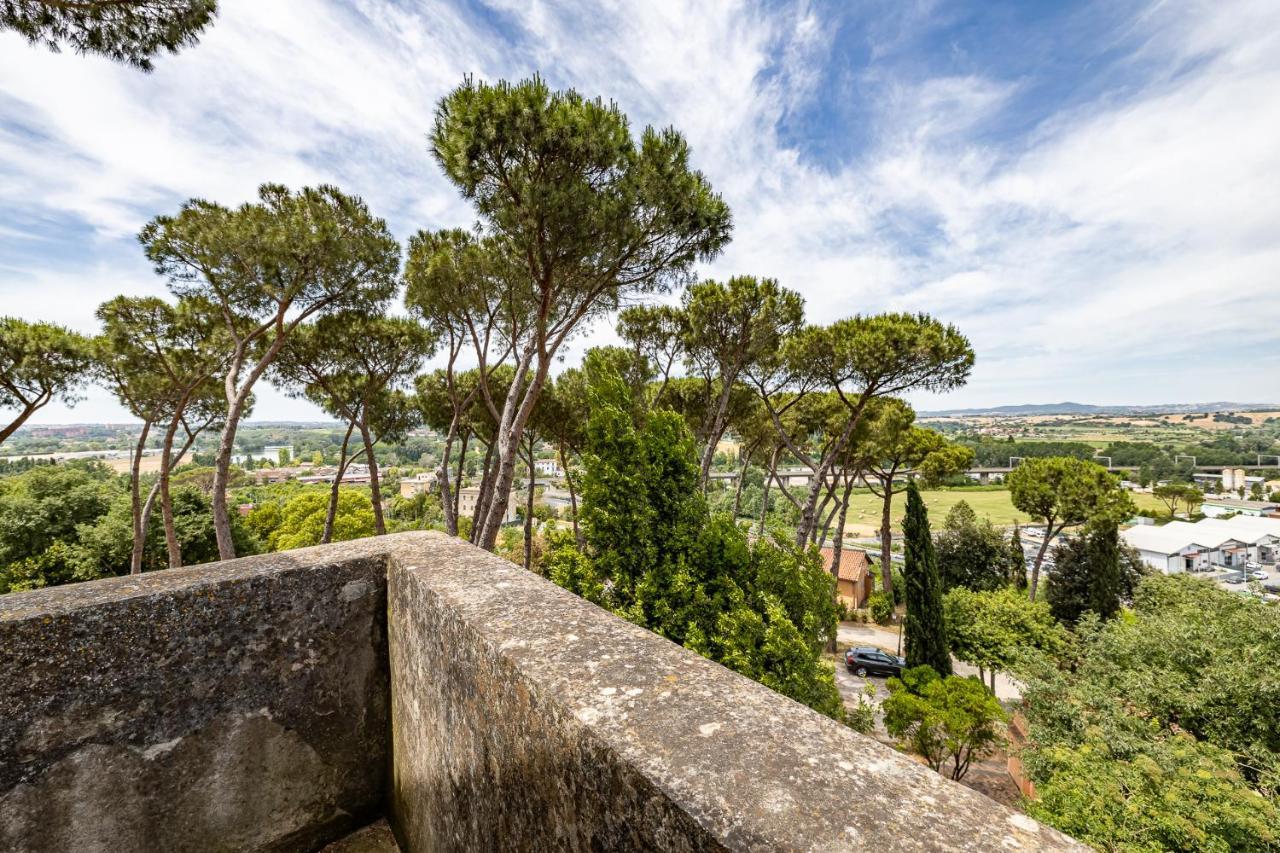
[{"x": 1211, "y": 543}]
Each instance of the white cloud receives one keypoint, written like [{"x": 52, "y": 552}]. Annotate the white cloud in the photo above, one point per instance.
[{"x": 1100, "y": 256}]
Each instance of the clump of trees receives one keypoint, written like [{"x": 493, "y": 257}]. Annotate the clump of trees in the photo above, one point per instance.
[
  {"x": 656, "y": 555},
  {"x": 576, "y": 216},
  {"x": 1063, "y": 492},
  {"x": 264, "y": 269},
  {"x": 74, "y": 522},
  {"x": 1094, "y": 572},
  {"x": 1160, "y": 729}
]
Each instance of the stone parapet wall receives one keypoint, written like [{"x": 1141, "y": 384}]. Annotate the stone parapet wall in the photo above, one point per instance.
[{"x": 274, "y": 702}]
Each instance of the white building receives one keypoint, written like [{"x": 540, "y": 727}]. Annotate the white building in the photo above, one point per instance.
[
  {"x": 1206, "y": 545},
  {"x": 548, "y": 468},
  {"x": 1215, "y": 507},
  {"x": 468, "y": 496}
]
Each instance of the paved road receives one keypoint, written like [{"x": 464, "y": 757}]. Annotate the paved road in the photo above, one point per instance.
[{"x": 864, "y": 634}]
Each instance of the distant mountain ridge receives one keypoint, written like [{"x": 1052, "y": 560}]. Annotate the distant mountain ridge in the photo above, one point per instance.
[{"x": 1069, "y": 408}]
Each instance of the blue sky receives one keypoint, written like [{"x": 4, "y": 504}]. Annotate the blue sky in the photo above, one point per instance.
[{"x": 1088, "y": 190}]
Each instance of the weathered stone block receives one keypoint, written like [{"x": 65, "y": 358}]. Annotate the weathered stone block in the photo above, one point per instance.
[{"x": 233, "y": 706}]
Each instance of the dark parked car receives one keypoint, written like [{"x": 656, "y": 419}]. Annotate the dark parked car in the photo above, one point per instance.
[{"x": 865, "y": 660}]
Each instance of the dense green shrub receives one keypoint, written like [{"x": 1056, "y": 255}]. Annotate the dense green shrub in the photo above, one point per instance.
[
  {"x": 656, "y": 555},
  {"x": 880, "y": 608}
]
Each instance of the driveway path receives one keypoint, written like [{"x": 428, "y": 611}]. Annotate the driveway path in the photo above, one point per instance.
[{"x": 868, "y": 634}]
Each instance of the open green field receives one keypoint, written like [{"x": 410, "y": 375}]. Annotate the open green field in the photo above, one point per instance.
[{"x": 864, "y": 509}]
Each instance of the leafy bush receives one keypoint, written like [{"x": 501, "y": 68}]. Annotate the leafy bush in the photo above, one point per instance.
[
  {"x": 863, "y": 717},
  {"x": 1177, "y": 793},
  {"x": 880, "y": 608},
  {"x": 988, "y": 629},
  {"x": 302, "y": 519},
  {"x": 943, "y": 720}
]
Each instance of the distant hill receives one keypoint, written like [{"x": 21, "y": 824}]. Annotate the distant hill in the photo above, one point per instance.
[{"x": 1068, "y": 408}]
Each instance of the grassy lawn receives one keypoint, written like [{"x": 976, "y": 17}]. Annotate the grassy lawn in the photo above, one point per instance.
[{"x": 864, "y": 509}]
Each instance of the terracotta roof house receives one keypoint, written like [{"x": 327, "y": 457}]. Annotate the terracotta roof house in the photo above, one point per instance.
[{"x": 854, "y": 582}]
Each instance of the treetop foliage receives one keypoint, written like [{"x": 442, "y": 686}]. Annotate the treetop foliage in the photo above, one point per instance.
[
  {"x": 1161, "y": 729},
  {"x": 881, "y": 355},
  {"x": 561, "y": 180},
  {"x": 1066, "y": 491},
  {"x": 730, "y": 325},
  {"x": 289, "y": 255},
  {"x": 129, "y": 31},
  {"x": 39, "y": 362}
]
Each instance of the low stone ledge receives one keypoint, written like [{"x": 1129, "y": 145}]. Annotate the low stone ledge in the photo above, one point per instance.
[
  {"x": 523, "y": 717},
  {"x": 232, "y": 706}
]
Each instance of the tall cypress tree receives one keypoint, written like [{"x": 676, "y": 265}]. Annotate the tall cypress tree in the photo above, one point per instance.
[
  {"x": 925, "y": 637},
  {"x": 1017, "y": 560},
  {"x": 1091, "y": 573}
]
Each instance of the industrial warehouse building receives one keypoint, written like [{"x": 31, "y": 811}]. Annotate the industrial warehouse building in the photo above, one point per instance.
[
  {"x": 1216, "y": 507},
  {"x": 1207, "y": 545}
]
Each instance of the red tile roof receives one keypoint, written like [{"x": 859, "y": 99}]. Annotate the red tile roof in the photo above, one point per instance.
[{"x": 853, "y": 563}]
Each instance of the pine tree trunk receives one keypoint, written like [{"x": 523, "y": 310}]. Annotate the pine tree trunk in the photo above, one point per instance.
[
  {"x": 148, "y": 507},
  {"x": 737, "y": 492},
  {"x": 331, "y": 513},
  {"x": 1035, "y": 570},
  {"x": 717, "y": 429},
  {"x": 764, "y": 503},
  {"x": 508, "y": 445},
  {"x": 573, "y": 499},
  {"x": 886, "y": 540},
  {"x": 838, "y": 547},
  {"x": 171, "y": 544},
  {"x": 379, "y": 523},
  {"x": 462, "y": 465},
  {"x": 486, "y": 487},
  {"x": 834, "y": 503},
  {"x": 168, "y": 463},
  {"x": 221, "y": 477},
  {"x": 442, "y": 481},
  {"x": 135, "y": 499},
  {"x": 528, "y": 512}
]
